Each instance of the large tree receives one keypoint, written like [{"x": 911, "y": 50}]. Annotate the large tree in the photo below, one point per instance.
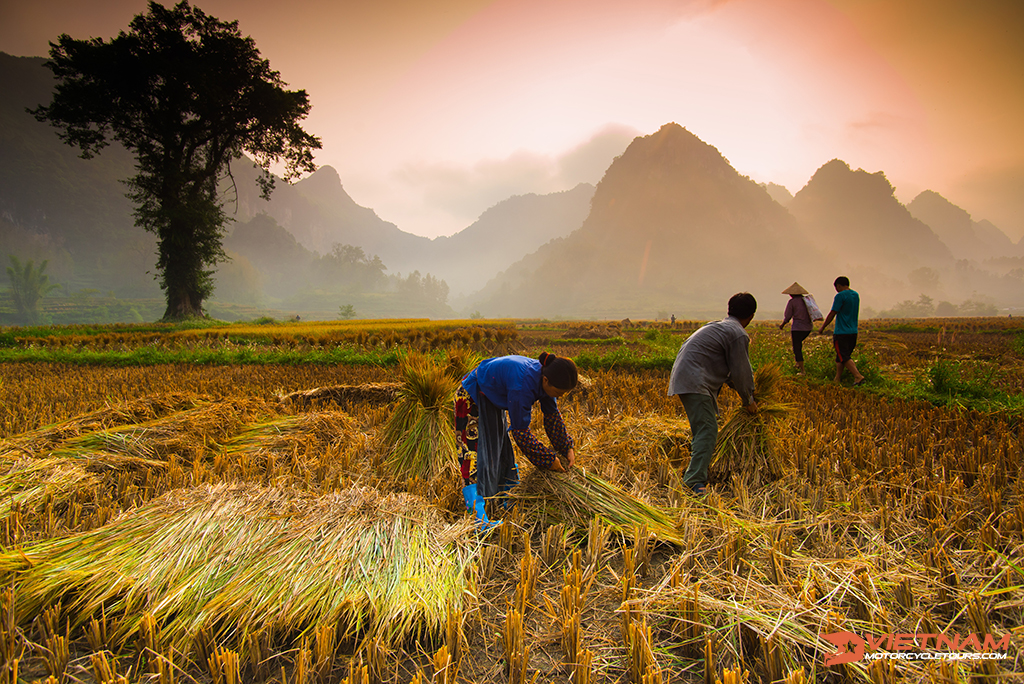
[{"x": 187, "y": 93}]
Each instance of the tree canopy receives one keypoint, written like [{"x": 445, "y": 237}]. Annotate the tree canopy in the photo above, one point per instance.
[{"x": 187, "y": 94}]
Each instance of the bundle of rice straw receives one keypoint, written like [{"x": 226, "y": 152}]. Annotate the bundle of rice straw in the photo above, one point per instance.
[
  {"x": 185, "y": 435},
  {"x": 31, "y": 482},
  {"x": 419, "y": 436},
  {"x": 241, "y": 560},
  {"x": 746, "y": 444},
  {"x": 284, "y": 438},
  {"x": 576, "y": 497},
  {"x": 42, "y": 440}
]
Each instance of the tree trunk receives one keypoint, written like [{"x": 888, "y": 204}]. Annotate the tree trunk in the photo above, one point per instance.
[
  {"x": 181, "y": 306},
  {"x": 186, "y": 248}
]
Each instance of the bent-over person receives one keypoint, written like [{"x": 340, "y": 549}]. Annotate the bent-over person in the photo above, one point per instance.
[{"x": 715, "y": 355}]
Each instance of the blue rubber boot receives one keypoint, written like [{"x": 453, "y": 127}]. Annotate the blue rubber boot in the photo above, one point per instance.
[
  {"x": 475, "y": 505},
  {"x": 507, "y": 485}
]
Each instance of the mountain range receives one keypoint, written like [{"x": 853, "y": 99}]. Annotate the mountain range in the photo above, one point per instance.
[{"x": 672, "y": 227}]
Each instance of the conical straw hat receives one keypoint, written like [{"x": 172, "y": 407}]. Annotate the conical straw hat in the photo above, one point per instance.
[{"x": 795, "y": 289}]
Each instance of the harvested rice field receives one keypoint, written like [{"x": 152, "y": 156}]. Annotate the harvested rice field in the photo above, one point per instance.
[{"x": 305, "y": 524}]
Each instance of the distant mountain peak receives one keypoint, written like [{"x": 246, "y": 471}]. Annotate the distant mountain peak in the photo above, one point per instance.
[
  {"x": 674, "y": 145},
  {"x": 836, "y": 176},
  {"x": 324, "y": 182},
  {"x": 672, "y": 224},
  {"x": 859, "y": 211},
  {"x": 965, "y": 237}
]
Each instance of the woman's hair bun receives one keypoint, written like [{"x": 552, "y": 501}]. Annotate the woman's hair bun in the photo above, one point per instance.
[{"x": 559, "y": 370}]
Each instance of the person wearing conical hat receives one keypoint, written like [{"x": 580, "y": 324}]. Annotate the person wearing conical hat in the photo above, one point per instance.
[{"x": 797, "y": 311}]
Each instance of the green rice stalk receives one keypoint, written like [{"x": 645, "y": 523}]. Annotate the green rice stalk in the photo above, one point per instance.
[{"x": 238, "y": 560}]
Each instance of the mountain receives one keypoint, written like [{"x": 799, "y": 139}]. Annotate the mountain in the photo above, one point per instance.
[
  {"x": 855, "y": 217},
  {"x": 320, "y": 214},
  {"x": 672, "y": 227},
  {"x": 779, "y": 193},
  {"x": 273, "y": 252},
  {"x": 505, "y": 233},
  {"x": 73, "y": 213},
  {"x": 966, "y": 238}
]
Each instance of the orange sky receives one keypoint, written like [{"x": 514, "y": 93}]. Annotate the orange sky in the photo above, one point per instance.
[{"x": 432, "y": 112}]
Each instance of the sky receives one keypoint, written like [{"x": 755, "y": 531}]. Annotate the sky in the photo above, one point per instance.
[{"x": 432, "y": 112}]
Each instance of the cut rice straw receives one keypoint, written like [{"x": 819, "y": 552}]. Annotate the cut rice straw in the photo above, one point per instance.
[
  {"x": 280, "y": 438},
  {"x": 185, "y": 436},
  {"x": 32, "y": 481},
  {"x": 746, "y": 444},
  {"x": 236, "y": 560},
  {"x": 420, "y": 434},
  {"x": 41, "y": 441},
  {"x": 576, "y": 497}
]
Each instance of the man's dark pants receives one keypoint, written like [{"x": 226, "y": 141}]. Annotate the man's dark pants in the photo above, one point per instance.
[{"x": 703, "y": 417}]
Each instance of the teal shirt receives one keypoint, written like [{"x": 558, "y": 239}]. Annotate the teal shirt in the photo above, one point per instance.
[{"x": 847, "y": 307}]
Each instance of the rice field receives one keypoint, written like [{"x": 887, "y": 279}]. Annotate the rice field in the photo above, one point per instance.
[{"x": 183, "y": 523}]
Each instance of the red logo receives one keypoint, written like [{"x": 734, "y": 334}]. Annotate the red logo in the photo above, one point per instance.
[
  {"x": 845, "y": 654},
  {"x": 899, "y": 646}
]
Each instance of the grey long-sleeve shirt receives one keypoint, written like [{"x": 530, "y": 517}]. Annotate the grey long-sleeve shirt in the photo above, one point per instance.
[{"x": 714, "y": 355}]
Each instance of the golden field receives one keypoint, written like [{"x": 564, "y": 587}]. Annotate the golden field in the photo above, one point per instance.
[{"x": 181, "y": 523}]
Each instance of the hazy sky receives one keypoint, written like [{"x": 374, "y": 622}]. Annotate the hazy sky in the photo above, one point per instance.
[{"x": 433, "y": 111}]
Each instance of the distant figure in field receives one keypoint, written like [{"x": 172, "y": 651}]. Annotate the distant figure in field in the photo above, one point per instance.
[
  {"x": 718, "y": 353},
  {"x": 845, "y": 310},
  {"x": 799, "y": 312}
]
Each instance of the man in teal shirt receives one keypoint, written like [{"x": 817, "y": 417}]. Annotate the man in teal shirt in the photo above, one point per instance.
[{"x": 845, "y": 310}]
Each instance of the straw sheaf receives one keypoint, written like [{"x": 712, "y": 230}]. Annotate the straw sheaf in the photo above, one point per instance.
[
  {"x": 41, "y": 441},
  {"x": 185, "y": 435},
  {"x": 419, "y": 436},
  {"x": 239, "y": 560},
  {"x": 577, "y": 497},
  {"x": 746, "y": 442}
]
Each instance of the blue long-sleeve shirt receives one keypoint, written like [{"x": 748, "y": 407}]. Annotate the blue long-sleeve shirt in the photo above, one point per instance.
[{"x": 513, "y": 383}]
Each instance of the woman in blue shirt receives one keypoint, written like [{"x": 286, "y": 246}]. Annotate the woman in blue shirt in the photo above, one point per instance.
[{"x": 513, "y": 384}]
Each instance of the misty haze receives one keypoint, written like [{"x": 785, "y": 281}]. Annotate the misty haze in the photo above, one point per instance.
[{"x": 670, "y": 228}]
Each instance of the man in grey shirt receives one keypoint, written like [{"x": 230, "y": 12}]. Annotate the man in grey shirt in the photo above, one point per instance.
[{"x": 717, "y": 354}]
